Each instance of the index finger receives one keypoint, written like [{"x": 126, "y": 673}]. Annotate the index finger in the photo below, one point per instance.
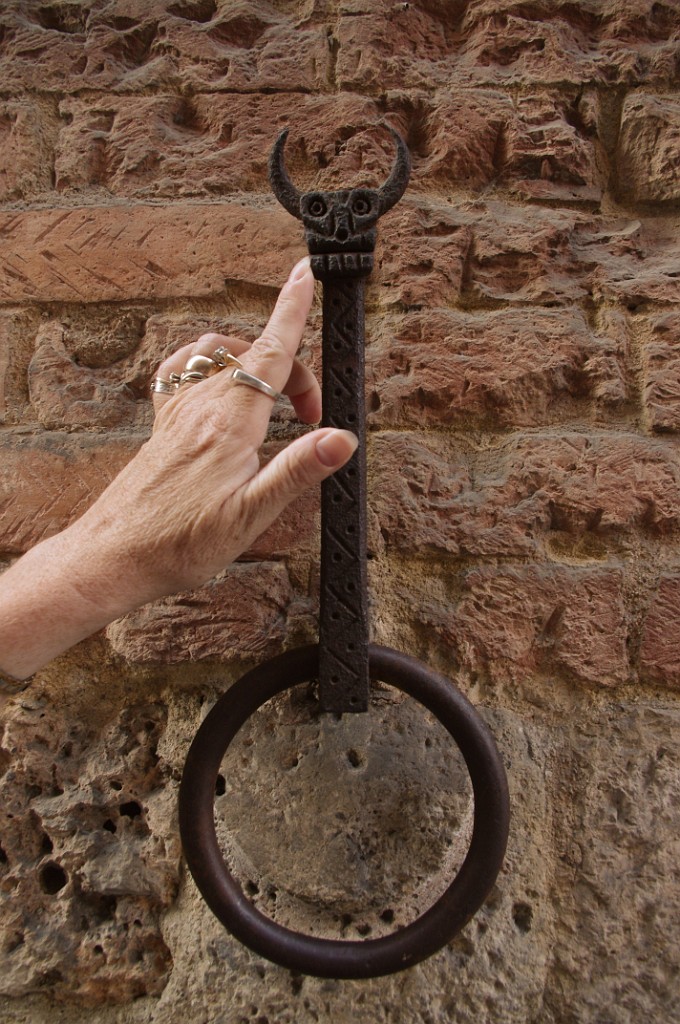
[{"x": 271, "y": 357}]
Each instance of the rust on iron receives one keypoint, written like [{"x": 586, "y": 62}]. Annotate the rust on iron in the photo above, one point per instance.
[{"x": 340, "y": 231}]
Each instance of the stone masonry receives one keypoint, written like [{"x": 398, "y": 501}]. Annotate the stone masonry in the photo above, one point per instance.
[{"x": 523, "y": 401}]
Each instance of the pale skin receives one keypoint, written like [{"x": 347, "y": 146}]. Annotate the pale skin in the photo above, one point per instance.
[{"x": 190, "y": 502}]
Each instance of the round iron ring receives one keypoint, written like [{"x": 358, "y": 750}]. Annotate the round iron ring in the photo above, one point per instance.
[{"x": 337, "y": 958}]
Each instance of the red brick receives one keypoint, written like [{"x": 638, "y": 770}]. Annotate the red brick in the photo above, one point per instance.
[
  {"x": 660, "y": 646},
  {"x": 17, "y": 333},
  {"x": 211, "y": 144},
  {"x": 503, "y": 42},
  {"x": 242, "y": 614},
  {"x": 510, "y": 623},
  {"x": 505, "y": 368},
  {"x": 661, "y": 360},
  {"x": 649, "y": 142},
  {"x": 28, "y": 129},
  {"x": 47, "y": 481},
  {"x": 65, "y": 394},
  {"x": 59, "y": 48},
  {"x": 476, "y": 138},
  {"x": 574, "y": 489},
  {"x": 98, "y": 253}
]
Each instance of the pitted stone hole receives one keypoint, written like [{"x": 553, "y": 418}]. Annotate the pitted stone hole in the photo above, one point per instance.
[
  {"x": 3, "y": 856},
  {"x": 46, "y": 844},
  {"x": 522, "y": 915},
  {"x": 53, "y": 878},
  {"x": 131, "y": 809},
  {"x": 374, "y": 822},
  {"x": 115, "y": 784},
  {"x": 109, "y": 825},
  {"x": 220, "y": 786}
]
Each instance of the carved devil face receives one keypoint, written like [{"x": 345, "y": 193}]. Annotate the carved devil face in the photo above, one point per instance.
[
  {"x": 340, "y": 221},
  {"x": 343, "y": 221}
]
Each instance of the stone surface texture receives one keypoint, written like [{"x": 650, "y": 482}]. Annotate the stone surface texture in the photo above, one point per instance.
[{"x": 523, "y": 404}]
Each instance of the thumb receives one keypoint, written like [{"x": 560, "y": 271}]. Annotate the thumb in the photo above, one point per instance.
[{"x": 305, "y": 462}]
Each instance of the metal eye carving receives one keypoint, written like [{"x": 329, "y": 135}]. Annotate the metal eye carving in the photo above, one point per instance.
[
  {"x": 361, "y": 207},
  {"x": 317, "y": 207}
]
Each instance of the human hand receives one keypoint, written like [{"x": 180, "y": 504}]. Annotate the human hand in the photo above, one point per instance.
[
  {"x": 192, "y": 499},
  {"x": 195, "y": 497}
]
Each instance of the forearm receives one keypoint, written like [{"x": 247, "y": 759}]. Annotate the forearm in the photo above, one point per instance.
[{"x": 55, "y": 595}]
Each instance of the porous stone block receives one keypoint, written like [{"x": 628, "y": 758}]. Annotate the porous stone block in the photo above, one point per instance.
[{"x": 89, "y": 856}]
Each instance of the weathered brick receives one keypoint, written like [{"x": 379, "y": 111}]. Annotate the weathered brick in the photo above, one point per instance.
[
  {"x": 28, "y": 129},
  {"x": 660, "y": 646},
  {"x": 661, "y": 360},
  {"x": 529, "y": 490},
  {"x": 504, "y": 42},
  {"x": 65, "y": 394},
  {"x": 99, "y": 253},
  {"x": 649, "y": 142},
  {"x": 49, "y": 480},
  {"x": 183, "y": 45},
  {"x": 239, "y": 615},
  {"x": 17, "y": 332},
  {"x": 512, "y": 622},
  {"x": 505, "y": 368},
  {"x": 477, "y": 138},
  {"x": 208, "y": 144}
]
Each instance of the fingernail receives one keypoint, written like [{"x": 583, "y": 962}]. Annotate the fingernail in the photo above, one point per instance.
[
  {"x": 299, "y": 270},
  {"x": 336, "y": 448}
]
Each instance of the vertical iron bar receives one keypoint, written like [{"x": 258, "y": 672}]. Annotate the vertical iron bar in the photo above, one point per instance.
[{"x": 343, "y": 628}]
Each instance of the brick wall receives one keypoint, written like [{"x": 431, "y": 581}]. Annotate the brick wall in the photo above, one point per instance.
[{"x": 523, "y": 396}]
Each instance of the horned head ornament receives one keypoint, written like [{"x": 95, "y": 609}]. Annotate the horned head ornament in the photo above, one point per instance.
[{"x": 343, "y": 221}]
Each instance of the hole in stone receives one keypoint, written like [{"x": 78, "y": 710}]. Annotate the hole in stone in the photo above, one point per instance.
[
  {"x": 116, "y": 785},
  {"x": 3, "y": 856},
  {"x": 522, "y": 915},
  {"x": 131, "y": 809},
  {"x": 364, "y": 929},
  {"x": 52, "y": 878},
  {"x": 109, "y": 825},
  {"x": 220, "y": 786},
  {"x": 99, "y": 949},
  {"x": 46, "y": 844},
  {"x": 387, "y": 916},
  {"x": 353, "y": 758},
  {"x": 252, "y": 888}
]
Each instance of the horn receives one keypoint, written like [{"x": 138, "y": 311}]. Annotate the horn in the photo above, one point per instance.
[
  {"x": 395, "y": 186},
  {"x": 282, "y": 187}
]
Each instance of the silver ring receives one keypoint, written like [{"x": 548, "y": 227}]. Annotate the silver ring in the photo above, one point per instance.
[
  {"x": 223, "y": 356},
  {"x": 241, "y": 377},
  {"x": 159, "y": 386}
]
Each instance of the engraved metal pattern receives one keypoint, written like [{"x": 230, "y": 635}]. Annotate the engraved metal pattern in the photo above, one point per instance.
[{"x": 343, "y": 626}]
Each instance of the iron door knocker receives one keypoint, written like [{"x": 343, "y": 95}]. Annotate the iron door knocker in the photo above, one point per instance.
[{"x": 340, "y": 232}]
